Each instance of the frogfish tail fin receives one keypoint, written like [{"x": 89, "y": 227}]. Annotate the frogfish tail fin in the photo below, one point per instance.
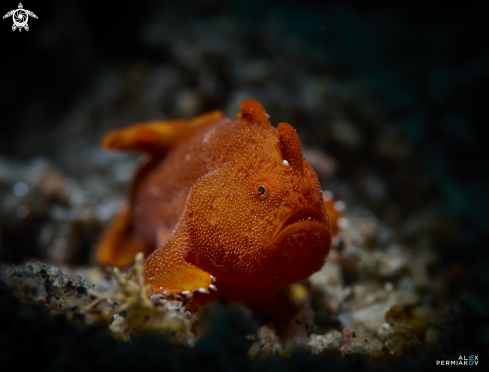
[{"x": 118, "y": 246}]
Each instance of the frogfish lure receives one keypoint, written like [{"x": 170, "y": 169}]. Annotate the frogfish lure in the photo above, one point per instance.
[{"x": 219, "y": 200}]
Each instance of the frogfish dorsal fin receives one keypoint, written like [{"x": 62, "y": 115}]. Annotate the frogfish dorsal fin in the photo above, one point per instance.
[
  {"x": 253, "y": 112},
  {"x": 156, "y": 137},
  {"x": 291, "y": 147}
]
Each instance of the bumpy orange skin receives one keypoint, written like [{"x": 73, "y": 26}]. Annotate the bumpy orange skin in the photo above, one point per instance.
[{"x": 232, "y": 199}]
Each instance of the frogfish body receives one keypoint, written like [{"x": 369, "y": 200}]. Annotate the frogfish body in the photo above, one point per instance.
[{"x": 219, "y": 200}]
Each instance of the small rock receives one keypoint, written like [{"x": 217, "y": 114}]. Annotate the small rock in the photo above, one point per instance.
[
  {"x": 371, "y": 318},
  {"x": 398, "y": 340},
  {"x": 347, "y": 335},
  {"x": 296, "y": 332},
  {"x": 268, "y": 339},
  {"x": 328, "y": 342},
  {"x": 361, "y": 344}
]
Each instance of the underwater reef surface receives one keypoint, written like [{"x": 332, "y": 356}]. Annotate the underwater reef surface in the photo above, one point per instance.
[
  {"x": 50, "y": 322},
  {"x": 386, "y": 101}
]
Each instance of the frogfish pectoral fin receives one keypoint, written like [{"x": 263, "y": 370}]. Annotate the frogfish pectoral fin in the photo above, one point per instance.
[
  {"x": 334, "y": 210},
  {"x": 168, "y": 273},
  {"x": 155, "y": 136},
  {"x": 118, "y": 247}
]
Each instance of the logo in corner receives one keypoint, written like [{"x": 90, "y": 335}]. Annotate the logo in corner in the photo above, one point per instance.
[
  {"x": 472, "y": 360},
  {"x": 20, "y": 17}
]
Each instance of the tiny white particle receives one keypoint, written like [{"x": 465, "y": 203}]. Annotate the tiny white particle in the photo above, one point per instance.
[{"x": 285, "y": 162}]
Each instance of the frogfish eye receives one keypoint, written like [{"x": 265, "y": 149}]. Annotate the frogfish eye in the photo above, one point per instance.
[{"x": 261, "y": 190}]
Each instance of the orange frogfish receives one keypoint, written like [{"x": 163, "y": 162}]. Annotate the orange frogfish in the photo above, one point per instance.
[{"x": 230, "y": 202}]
